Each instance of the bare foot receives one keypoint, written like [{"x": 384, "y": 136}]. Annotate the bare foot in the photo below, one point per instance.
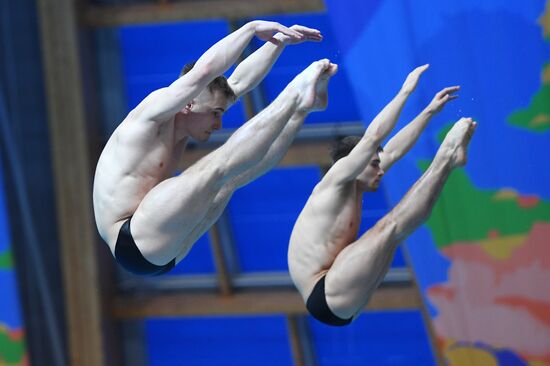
[
  {"x": 457, "y": 140},
  {"x": 311, "y": 85},
  {"x": 321, "y": 89}
]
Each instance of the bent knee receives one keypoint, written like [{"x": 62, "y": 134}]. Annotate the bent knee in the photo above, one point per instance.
[
  {"x": 387, "y": 228},
  {"x": 341, "y": 304},
  {"x": 154, "y": 243},
  {"x": 341, "y": 301}
]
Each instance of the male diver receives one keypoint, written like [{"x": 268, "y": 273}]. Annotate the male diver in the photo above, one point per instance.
[
  {"x": 336, "y": 272},
  {"x": 149, "y": 218}
]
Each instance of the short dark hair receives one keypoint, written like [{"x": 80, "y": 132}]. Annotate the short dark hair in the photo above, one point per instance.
[
  {"x": 220, "y": 83},
  {"x": 343, "y": 146}
]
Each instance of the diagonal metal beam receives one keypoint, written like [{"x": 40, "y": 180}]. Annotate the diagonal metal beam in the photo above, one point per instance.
[
  {"x": 301, "y": 342},
  {"x": 224, "y": 277},
  {"x": 432, "y": 337}
]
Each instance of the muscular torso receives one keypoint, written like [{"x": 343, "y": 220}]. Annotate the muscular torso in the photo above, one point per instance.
[
  {"x": 329, "y": 221},
  {"x": 138, "y": 155}
]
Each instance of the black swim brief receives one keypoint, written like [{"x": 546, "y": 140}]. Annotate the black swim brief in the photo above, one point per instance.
[
  {"x": 128, "y": 255},
  {"x": 318, "y": 307}
]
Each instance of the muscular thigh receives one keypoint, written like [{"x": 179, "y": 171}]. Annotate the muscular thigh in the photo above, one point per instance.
[
  {"x": 359, "y": 268},
  {"x": 171, "y": 211}
]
